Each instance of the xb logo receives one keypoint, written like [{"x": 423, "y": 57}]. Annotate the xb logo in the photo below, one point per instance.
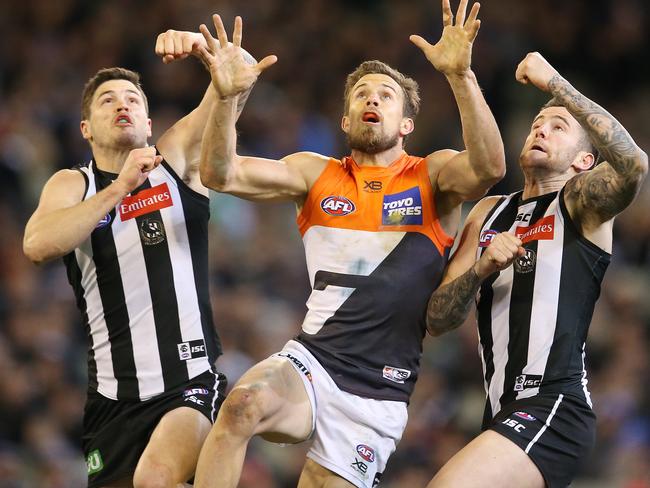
[{"x": 372, "y": 186}]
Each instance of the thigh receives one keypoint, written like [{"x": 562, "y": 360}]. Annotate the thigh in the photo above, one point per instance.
[
  {"x": 275, "y": 389},
  {"x": 314, "y": 475},
  {"x": 174, "y": 446},
  {"x": 490, "y": 460}
]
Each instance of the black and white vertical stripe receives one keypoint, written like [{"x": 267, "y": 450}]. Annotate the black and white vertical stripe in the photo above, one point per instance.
[
  {"x": 535, "y": 322},
  {"x": 141, "y": 300}
]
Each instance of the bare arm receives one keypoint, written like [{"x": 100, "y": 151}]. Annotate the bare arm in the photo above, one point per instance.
[
  {"x": 468, "y": 174},
  {"x": 63, "y": 221},
  {"x": 599, "y": 195},
  {"x": 181, "y": 144},
  {"x": 451, "y": 302},
  {"x": 221, "y": 168}
]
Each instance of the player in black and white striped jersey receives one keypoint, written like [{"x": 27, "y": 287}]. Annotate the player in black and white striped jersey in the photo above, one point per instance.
[
  {"x": 534, "y": 261},
  {"x": 131, "y": 225}
]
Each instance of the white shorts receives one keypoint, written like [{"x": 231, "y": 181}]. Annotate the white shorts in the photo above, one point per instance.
[{"x": 353, "y": 436}]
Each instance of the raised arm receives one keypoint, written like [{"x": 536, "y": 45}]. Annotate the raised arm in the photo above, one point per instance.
[
  {"x": 468, "y": 174},
  {"x": 598, "y": 195},
  {"x": 62, "y": 221},
  {"x": 450, "y": 304},
  {"x": 220, "y": 167}
]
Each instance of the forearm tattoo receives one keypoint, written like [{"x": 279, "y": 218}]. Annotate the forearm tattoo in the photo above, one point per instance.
[
  {"x": 450, "y": 304},
  {"x": 607, "y": 191}
]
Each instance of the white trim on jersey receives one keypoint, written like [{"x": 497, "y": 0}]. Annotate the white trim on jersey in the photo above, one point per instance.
[
  {"x": 340, "y": 249},
  {"x": 546, "y": 424},
  {"x": 183, "y": 270},
  {"x": 584, "y": 380},
  {"x": 545, "y": 300}
]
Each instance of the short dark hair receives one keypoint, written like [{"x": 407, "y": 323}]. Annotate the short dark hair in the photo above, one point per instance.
[
  {"x": 409, "y": 86},
  {"x": 585, "y": 142},
  {"x": 102, "y": 76}
]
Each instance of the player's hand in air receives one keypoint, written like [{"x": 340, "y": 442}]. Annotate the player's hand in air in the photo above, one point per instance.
[
  {"x": 536, "y": 70},
  {"x": 452, "y": 54},
  {"x": 231, "y": 73},
  {"x": 174, "y": 45},
  {"x": 139, "y": 163},
  {"x": 502, "y": 251}
]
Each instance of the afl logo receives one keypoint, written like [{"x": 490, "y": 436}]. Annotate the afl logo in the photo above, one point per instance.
[
  {"x": 525, "y": 416},
  {"x": 337, "y": 206},
  {"x": 366, "y": 452}
]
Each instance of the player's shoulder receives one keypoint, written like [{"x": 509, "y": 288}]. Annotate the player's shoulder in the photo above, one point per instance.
[
  {"x": 483, "y": 207},
  {"x": 309, "y": 164},
  {"x": 68, "y": 178}
]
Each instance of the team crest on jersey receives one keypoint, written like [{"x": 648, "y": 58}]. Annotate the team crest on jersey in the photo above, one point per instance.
[
  {"x": 486, "y": 237},
  {"x": 404, "y": 208},
  {"x": 152, "y": 232},
  {"x": 543, "y": 229},
  {"x": 526, "y": 263},
  {"x": 106, "y": 219},
  {"x": 145, "y": 201},
  {"x": 337, "y": 206}
]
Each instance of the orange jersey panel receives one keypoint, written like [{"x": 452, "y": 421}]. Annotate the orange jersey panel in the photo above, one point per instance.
[{"x": 398, "y": 197}]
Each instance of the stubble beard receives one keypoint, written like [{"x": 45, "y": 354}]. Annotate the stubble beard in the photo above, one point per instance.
[{"x": 368, "y": 141}]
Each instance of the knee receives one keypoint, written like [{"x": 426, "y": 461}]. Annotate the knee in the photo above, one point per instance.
[{"x": 243, "y": 408}]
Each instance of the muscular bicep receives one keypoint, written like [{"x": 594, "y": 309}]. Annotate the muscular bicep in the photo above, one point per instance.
[
  {"x": 456, "y": 176},
  {"x": 465, "y": 255},
  {"x": 597, "y": 196},
  {"x": 265, "y": 179},
  {"x": 64, "y": 189}
]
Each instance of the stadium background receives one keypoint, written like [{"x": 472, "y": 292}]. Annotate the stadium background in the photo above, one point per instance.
[{"x": 259, "y": 284}]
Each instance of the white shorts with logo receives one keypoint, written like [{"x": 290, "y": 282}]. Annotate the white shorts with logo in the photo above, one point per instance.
[{"x": 353, "y": 436}]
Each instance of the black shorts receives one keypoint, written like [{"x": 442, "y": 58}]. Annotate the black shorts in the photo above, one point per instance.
[
  {"x": 556, "y": 431},
  {"x": 117, "y": 432}
]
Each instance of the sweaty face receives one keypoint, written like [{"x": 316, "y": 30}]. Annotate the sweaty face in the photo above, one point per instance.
[
  {"x": 375, "y": 115},
  {"x": 554, "y": 141},
  {"x": 118, "y": 117}
]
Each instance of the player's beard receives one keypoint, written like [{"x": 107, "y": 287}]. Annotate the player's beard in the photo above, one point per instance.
[{"x": 368, "y": 141}]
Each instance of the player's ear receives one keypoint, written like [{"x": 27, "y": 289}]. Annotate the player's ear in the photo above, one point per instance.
[
  {"x": 86, "y": 133},
  {"x": 406, "y": 126},
  {"x": 345, "y": 124}
]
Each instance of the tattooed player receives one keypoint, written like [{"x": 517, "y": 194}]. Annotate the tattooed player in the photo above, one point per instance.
[{"x": 536, "y": 258}]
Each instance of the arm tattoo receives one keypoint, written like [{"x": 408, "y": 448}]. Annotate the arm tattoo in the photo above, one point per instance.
[
  {"x": 449, "y": 305},
  {"x": 608, "y": 190}
]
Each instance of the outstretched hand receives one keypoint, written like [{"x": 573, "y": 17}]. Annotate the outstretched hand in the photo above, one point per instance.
[
  {"x": 231, "y": 73},
  {"x": 452, "y": 54},
  {"x": 536, "y": 70}
]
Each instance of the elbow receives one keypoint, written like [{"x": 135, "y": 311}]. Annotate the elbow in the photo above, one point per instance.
[
  {"x": 210, "y": 178},
  {"x": 34, "y": 252}
]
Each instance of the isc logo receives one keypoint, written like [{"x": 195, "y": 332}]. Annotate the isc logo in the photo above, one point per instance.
[
  {"x": 366, "y": 452},
  {"x": 337, "y": 206},
  {"x": 514, "y": 424}
]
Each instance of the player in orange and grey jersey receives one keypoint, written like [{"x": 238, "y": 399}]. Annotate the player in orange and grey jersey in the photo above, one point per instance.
[{"x": 377, "y": 228}]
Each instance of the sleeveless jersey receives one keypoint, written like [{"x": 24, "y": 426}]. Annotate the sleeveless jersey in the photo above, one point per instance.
[
  {"x": 375, "y": 252},
  {"x": 533, "y": 317},
  {"x": 141, "y": 283}
]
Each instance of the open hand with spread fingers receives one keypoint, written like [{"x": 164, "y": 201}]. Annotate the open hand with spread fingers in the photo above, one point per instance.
[
  {"x": 452, "y": 54},
  {"x": 231, "y": 73},
  {"x": 536, "y": 70}
]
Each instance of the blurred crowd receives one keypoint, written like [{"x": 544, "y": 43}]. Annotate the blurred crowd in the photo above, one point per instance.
[{"x": 259, "y": 282}]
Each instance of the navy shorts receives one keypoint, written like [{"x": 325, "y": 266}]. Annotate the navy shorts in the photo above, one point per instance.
[
  {"x": 557, "y": 431},
  {"x": 117, "y": 432}
]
